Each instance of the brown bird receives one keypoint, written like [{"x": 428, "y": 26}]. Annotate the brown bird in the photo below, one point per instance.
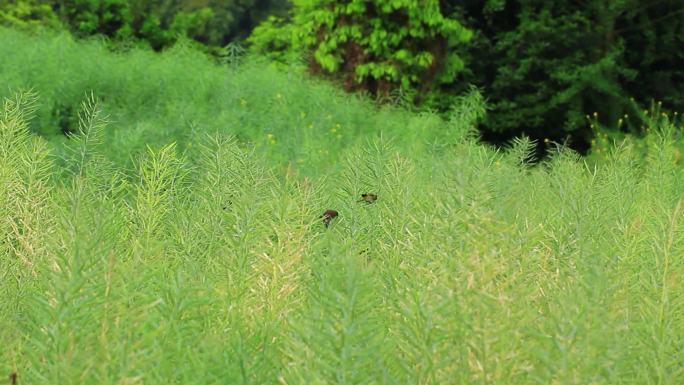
[
  {"x": 327, "y": 216},
  {"x": 368, "y": 198}
]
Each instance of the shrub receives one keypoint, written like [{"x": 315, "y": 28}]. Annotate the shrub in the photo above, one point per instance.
[
  {"x": 157, "y": 23},
  {"x": 544, "y": 65},
  {"x": 375, "y": 46},
  {"x": 28, "y": 14}
]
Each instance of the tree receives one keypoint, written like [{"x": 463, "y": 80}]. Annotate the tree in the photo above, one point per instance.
[
  {"x": 28, "y": 14},
  {"x": 372, "y": 45},
  {"x": 159, "y": 23},
  {"x": 545, "y": 65}
]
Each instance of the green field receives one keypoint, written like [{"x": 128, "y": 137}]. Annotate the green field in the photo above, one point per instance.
[{"x": 174, "y": 236}]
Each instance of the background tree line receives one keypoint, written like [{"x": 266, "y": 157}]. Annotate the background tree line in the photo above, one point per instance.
[
  {"x": 551, "y": 69},
  {"x": 159, "y": 23}
]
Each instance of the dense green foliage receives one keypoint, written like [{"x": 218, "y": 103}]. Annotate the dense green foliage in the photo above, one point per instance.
[
  {"x": 201, "y": 259},
  {"x": 158, "y": 23},
  {"x": 28, "y": 14},
  {"x": 544, "y": 65},
  {"x": 471, "y": 267},
  {"x": 376, "y": 46},
  {"x": 152, "y": 97}
]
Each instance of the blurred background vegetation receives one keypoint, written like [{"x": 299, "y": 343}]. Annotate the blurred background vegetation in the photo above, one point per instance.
[
  {"x": 157, "y": 23},
  {"x": 552, "y": 70}
]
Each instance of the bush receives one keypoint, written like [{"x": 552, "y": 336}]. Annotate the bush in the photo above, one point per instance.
[
  {"x": 546, "y": 65},
  {"x": 374, "y": 46},
  {"x": 28, "y": 15},
  {"x": 158, "y": 23}
]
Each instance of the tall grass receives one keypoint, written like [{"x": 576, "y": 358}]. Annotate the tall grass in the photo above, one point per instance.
[{"x": 473, "y": 267}]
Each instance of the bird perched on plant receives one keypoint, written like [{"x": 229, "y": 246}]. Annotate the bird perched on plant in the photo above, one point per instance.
[
  {"x": 327, "y": 216},
  {"x": 368, "y": 198}
]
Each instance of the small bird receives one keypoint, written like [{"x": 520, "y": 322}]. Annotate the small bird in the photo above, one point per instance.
[
  {"x": 368, "y": 198},
  {"x": 327, "y": 216}
]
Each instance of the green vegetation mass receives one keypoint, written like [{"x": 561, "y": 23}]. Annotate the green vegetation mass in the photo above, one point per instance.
[
  {"x": 155, "y": 23},
  {"x": 545, "y": 66},
  {"x": 157, "y": 98},
  {"x": 164, "y": 228}
]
